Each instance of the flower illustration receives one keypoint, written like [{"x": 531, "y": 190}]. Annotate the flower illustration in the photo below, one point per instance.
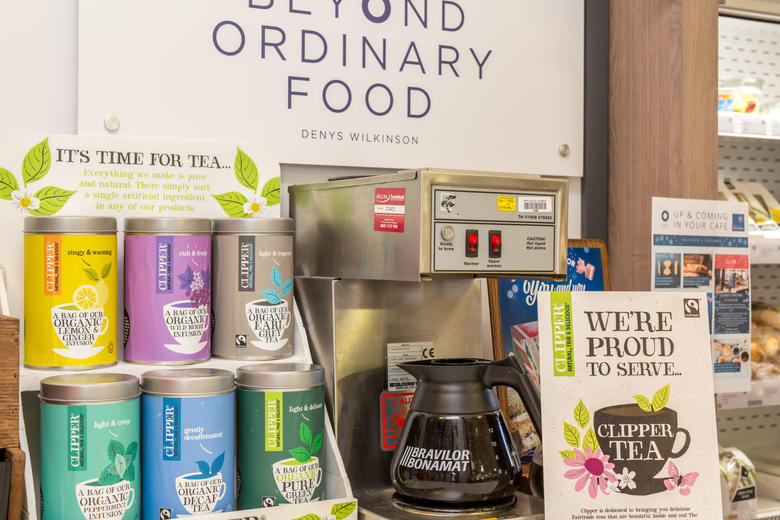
[
  {"x": 612, "y": 487},
  {"x": 24, "y": 201},
  {"x": 627, "y": 479},
  {"x": 592, "y": 469},
  {"x": 236, "y": 204},
  {"x": 47, "y": 200},
  {"x": 255, "y": 206}
]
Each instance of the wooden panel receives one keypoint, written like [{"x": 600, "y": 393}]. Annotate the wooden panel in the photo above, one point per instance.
[
  {"x": 663, "y": 124},
  {"x": 9, "y": 382},
  {"x": 16, "y": 494}
]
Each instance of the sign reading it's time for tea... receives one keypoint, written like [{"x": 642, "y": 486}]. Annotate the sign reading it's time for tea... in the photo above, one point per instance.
[{"x": 629, "y": 415}]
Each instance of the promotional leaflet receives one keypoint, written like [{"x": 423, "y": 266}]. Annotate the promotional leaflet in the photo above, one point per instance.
[
  {"x": 629, "y": 415},
  {"x": 702, "y": 245}
]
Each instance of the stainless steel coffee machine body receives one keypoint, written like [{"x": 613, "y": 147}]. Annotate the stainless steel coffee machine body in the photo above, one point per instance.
[{"x": 386, "y": 273}]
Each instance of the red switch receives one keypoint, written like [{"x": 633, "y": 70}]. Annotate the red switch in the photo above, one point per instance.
[
  {"x": 472, "y": 242},
  {"x": 495, "y": 244}
]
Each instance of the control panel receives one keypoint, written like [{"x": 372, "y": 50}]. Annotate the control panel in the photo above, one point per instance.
[{"x": 487, "y": 230}]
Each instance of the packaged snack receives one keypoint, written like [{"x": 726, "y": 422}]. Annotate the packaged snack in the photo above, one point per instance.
[{"x": 738, "y": 485}]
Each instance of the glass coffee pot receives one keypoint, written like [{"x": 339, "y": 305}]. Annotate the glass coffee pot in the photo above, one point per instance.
[{"x": 455, "y": 449}]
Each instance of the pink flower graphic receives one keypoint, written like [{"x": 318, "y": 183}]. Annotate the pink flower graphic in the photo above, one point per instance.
[{"x": 591, "y": 468}]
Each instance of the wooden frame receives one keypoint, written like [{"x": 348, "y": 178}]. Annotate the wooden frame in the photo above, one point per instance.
[{"x": 495, "y": 309}]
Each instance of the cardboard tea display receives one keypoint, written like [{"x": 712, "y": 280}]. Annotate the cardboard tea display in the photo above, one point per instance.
[{"x": 628, "y": 408}]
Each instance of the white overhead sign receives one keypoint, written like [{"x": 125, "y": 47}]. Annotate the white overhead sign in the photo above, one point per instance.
[{"x": 489, "y": 85}]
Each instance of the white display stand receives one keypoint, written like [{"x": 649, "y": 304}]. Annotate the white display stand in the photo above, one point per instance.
[{"x": 338, "y": 491}]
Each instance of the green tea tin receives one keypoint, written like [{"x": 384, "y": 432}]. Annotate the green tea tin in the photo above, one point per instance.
[
  {"x": 89, "y": 447},
  {"x": 281, "y": 427}
]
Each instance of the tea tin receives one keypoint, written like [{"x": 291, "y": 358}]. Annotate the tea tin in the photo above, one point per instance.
[
  {"x": 188, "y": 442},
  {"x": 70, "y": 286},
  {"x": 281, "y": 427},
  {"x": 89, "y": 447},
  {"x": 253, "y": 288},
  {"x": 167, "y": 290}
]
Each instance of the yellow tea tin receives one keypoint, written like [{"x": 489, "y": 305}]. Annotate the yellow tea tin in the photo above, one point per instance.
[{"x": 70, "y": 266}]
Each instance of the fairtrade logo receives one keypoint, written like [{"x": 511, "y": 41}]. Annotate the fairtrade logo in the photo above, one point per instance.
[{"x": 691, "y": 307}]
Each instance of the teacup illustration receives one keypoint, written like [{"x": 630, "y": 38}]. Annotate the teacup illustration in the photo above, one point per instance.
[
  {"x": 268, "y": 321},
  {"x": 199, "y": 494},
  {"x": 186, "y": 324},
  {"x": 78, "y": 329},
  {"x": 106, "y": 502},
  {"x": 641, "y": 441},
  {"x": 297, "y": 481}
]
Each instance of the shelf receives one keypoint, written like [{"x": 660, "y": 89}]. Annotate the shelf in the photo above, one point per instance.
[
  {"x": 762, "y": 393},
  {"x": 768, "y": 509},
  {"x": 735, "y": 125}
]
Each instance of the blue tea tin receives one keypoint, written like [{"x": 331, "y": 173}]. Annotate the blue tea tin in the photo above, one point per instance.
[{"x": 188, "y": 442}]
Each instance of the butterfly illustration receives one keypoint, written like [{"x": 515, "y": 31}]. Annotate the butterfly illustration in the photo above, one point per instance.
[{"x": 682, "y": 482}]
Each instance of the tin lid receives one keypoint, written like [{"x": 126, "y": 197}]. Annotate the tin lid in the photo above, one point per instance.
[
  {"x": 76, "y": 225},
  {"x": 187, "y": 381},
  {"x": 280, "y": 376},
  {"x": 89, "y": 388},
  {"x": 254, "y": 225},
  {"x": 168, "y": 225}
]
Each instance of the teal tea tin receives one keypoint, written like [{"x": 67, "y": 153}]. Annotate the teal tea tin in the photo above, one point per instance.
[
  {"x": 281, "y": 428},
  {"x": 188, "y": 442},
  {"x": 89, "y": 447}
]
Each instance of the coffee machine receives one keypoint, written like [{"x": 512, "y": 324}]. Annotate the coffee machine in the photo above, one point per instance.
[{"x": 387, "y": 272}]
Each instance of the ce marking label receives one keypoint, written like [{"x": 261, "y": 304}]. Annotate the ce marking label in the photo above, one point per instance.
[{"x": 428, "y": 353}]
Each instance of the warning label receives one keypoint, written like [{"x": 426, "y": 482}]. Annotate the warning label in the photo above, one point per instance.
[{"x": 389, "y": 209}]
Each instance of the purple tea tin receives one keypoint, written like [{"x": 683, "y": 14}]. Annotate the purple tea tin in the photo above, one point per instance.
[{"x": 167, "y": 290}]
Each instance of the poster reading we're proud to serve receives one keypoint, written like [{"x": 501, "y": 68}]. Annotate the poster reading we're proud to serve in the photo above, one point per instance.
[{"x": 629, "y": 416}]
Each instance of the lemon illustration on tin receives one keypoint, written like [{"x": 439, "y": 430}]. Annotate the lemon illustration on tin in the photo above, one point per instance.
[
  {"x": 102, "y": 291},
  {"x": 86, "y": 298}
]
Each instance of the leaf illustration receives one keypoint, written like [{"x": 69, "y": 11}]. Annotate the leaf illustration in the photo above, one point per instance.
[
  {"x": 590, "y": 440},
  {"x": 287, "y": 287},
  {"x": 132, "y": 450},
  {"x": 52, "y": 199},
  {"x": 8, "y": 184},
  {"x": 276, "y": 277},
  {"x": 581, "y": 414},
  {"x": 246, "y": 171},
  {"x": 130, "y": 472},
  {"x": 108, "y": 476},
  {"x": 120, "y": 463},
  {"x": 571, "y": 434},
  {"x": 203, "y": 466},
  {"x": 37, "y": 162},
  {"x": 568, "y": 454},
  {"x": 232, "y": 203},
  {"x": 305, "y": 434},
  {"x": 643, "y": 402},
  {"x": 105, "y": 271},
  {"x": 217, "y": 464},
  {"x": 661, "y": 397},
  {"x": 271, "y": 296},
  {"x": 343, "y": 509},
  {"x": 271, "y": 191},
  {"x": 301, "y": 454},
  {"x": 115, "y": 448},
  {"x": 316, "y": 444},
  {"x": 91, "y": 274},
  {"x": 310, "y": 516}
]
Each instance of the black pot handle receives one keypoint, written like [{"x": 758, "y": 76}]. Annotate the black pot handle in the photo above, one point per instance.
[{"x": 508, "y": 372}]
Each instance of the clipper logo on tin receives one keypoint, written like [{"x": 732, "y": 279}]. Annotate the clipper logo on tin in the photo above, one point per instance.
[
  {"x": 171, "y": 429},
  {"x": 164, "y": 261},
  {"x": 246, "y": 263},
  {"x": 77, "y": 445}
]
